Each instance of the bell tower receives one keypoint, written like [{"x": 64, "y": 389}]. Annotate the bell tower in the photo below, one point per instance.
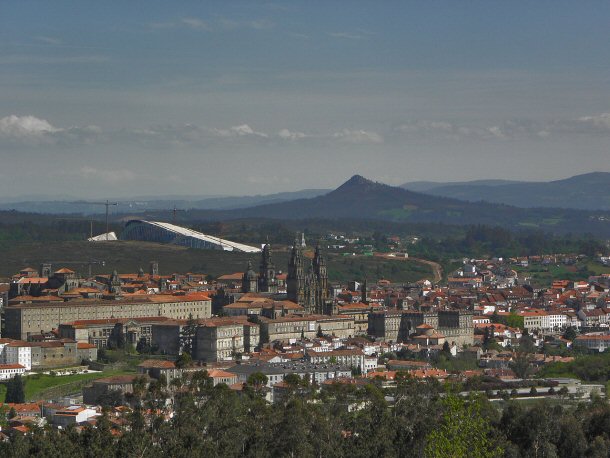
[{"x": 267, "y": 283}]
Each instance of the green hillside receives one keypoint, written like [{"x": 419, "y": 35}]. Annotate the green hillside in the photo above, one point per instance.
[{"x": 130, "y": 256}]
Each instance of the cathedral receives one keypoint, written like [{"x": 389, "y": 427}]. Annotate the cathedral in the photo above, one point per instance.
[
  {"x": 306, "y": 280},
  {"x": 266, "y": 280}
]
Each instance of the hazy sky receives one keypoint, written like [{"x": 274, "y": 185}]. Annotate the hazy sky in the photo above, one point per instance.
[{"x": 102, "y": 98}]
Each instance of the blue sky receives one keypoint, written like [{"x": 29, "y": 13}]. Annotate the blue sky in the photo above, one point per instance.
[{"x": 134, "y": 98}]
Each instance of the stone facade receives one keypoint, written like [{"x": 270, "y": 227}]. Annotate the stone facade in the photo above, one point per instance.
[
  {"x": 219, "y": 339},
  {"x": 23, "y": 320},
  {"x": 100, "y": 332},
  {"x": 307, "y": 285},
  {"x": 294, "y": 327},
  {"x": 398, "y": 326}
]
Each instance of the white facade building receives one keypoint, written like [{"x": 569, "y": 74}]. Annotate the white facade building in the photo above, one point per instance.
[
  {"x": 18, "y": 352},
  {"x": 8, "y": 371}
]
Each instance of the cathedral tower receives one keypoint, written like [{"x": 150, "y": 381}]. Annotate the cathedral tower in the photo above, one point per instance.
[
  {"x": 295, "y": 278},
  {"x": 267, "y": 283},
  {"x": 249, "y": 281}
]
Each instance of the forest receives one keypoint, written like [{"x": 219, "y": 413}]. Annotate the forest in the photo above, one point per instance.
[{"x": 415, "y": 419}]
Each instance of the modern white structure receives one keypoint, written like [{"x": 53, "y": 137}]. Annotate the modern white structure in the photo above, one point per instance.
[
  {"x": 156, "y": 231},
  {"x": 105, "y": 237}
]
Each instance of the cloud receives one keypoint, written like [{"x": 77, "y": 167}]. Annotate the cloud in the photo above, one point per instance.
[
  {"x": 358, "y": 136},
  {"x": 33, "y": 59},
  {"x": 346, "y": 35},
  {"x": 25, "y": 126},
  {"x": 49, "y": 40},
  {"x": 218, "y": 23},
  {"x": 32, "y": 130},
  {"x": 195, "y": 23},
  {"x": 597, "y": 124},
  {"x": 106, "y": 175},
  {"x": 286, "y": 134},
  {"x": 239, "y": 131},
  {"x": 600, "y": 122},
  {"x": 444, "y": 130}
]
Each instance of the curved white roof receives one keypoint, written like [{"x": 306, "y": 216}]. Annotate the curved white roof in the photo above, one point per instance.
[{"x": 226, "y": 245}]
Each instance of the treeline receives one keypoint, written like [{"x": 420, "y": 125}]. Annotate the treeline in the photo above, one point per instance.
[
  {"x": 480, "y": 241},
  {"x": 342, "y": 420},
  {"x": 437, "y": 241}
]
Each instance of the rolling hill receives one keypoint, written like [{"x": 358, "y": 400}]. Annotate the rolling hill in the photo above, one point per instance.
[
  {"x": 590, "y": 191},
  {"x": 359, "y": 198}
]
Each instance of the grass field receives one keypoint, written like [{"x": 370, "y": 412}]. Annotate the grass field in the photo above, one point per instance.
[
  {"x": 130, "y": 256},
  {"x": 37, "y": 385},
  {"x": 543, "y": 275}
]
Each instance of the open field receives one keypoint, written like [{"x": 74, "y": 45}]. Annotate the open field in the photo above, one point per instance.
[
  {"x": 130, "y": 256},
  {"x": 41, "y": 386},
  {"x": 544, "y": 275}
]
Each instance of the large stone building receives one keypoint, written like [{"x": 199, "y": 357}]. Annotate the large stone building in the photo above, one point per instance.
[
  {"x": 101, "y": 332},
  {"x": 294, "y": 327},
  {"x": 45, "y": 355},
  {"x": 26, "y": 319},
  {"x": 215, "y": 339},
  {"x": 396, "y": 326},
  {"x": 307, "y": 282},
  {"x": 219, "y": 339}
]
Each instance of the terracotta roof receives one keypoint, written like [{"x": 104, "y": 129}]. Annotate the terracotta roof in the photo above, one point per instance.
[
  {"x": 217, "y": 373},
  {"x": 234, "y": 276},
  {"x": 11, "y": 366},
  {"x": 157, "y": 364},
  {"x": 64, "y": 271}
]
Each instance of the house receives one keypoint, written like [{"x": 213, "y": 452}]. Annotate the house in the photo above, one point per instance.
[
  {"x": 118, "y": 383},
  {"x": 73, "y": 415},
  {"x": 593, "y": 342},
  {"x": 8, "y": 371}
]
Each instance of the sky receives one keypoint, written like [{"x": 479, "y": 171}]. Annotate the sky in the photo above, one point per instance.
[{"x": 119, "y": 99}]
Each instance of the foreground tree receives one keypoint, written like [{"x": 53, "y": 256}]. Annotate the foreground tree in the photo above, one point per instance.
[
  {"x": 463, "y": 432},
  {"x": 15, "y": 390}
]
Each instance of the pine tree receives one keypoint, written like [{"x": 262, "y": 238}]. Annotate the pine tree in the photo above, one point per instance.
[{"x": 15, "y": 390}]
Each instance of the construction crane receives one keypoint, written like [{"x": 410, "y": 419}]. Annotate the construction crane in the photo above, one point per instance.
[
  {"x": 174, "y": 210},
  {"x": 80, "y": 263},
  {"x": 107, "y": 204},
  {"x": 80, "y": 219}
]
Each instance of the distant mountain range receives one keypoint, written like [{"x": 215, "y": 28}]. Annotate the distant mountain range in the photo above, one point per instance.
[
  {"x": 590, "y": 191},
  {"x": 362, "y": 199},
  {"x": 142, "y": 204}
]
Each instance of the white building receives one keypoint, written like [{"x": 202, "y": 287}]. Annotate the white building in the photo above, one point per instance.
[
  {"x": 8, "y": 371},
  {"x": 73, "y": 415},
  {"x": 349, "y": 358},
  {"x": 535, "y": 320},
  {"x": 18, "y": 352}
]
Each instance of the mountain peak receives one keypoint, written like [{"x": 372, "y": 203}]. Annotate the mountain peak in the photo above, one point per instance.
[{"x": 357, "y": 180}]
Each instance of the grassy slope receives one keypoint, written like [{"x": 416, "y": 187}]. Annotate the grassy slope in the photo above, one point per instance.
[
  {"x": 544, "y": 275},
  {"x": 129, "y": 256},
  {"x": 36, "y": 386}
]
